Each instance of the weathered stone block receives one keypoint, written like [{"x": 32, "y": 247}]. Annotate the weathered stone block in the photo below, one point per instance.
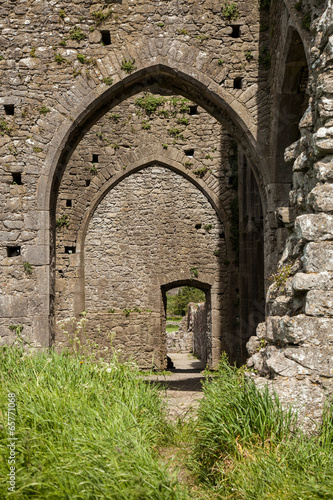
[
  {"x": 324, "y": 169},
  {"x": 314, "y": 227},
  {"x": 299, "y": 329},
  {"x": 319, "y": 359},
  {"x": 321, "y": 198},
  {"x": 318, "y": 257},
  {"x": 319, "y": 303},
  {"x": 313, "y": 281}
]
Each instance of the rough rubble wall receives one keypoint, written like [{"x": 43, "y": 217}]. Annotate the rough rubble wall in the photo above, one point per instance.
[{"x": 294, "y": 346}]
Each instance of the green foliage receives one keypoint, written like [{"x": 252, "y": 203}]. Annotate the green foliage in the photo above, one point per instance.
[
  {"x": 201, "y": 172},
  {"x": 182, "y": 31},
  {"x": 176, "y": 133},
  {"x": 127, "y": 65},
  {"x": 298, "y": 5},
  {"x": 264, "y": 58},
  {"x": 220, "y": 62},
  {"x": 101, "y": 15},
  {"x": 165, "y": 146},
  {"x": 4, "y": 127},
  {"x": 86, "y": 429},
  {"x": 33, "y": 52},
  {"x": 208, "y": 157},
  {"x": 216, "y": 252},
  {"x": 194, "y": 272},
  {"x": 264, "y": 4},
  {"x": 235, "y": 415},
  {"x": 160, "y": 24},
  {"x": 183, "y": 120},
  {"x": 127, "y": 312},
  {"x": 62, "y": 14},
  {"x": 248, "y": 448},
  {"x": 150, "y": 103},
  {"x": 230, "y": 11},
  {"x": 77, "y": 34},
  {"x": 44, "y": 110},
  {"x": 108, "y": 80},
  {"x": 306, "y": 21},
  {"x": 93, "y": 169},
  {"x": 264, "y": 27},
  {"x": 111, "y": 310},
  {"x": 27, "y": 267},
  {"x": 36, "y": 149},
  {"x": 188, "y": 164},
  {"x": 145, "y": 125},
  {"x": 177, "y": 304},
  {"x": 82, "y": 58},
  {"x": 59, "y": 58},
  {"x": 63, "y": 43},
  {"x": 279, "y": 279},
  {"x": 248, "y": 55},
  {"x": 62, "y": 221},
  {"x": 208, "y": 227},
  {"x": 115, "y": 117}
]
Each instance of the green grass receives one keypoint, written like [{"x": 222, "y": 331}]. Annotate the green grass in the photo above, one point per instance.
[
  {"x": 88, "y": 429},
  {"x": 171, "y": 328},
  {"x": 84, "y": 430},
  {"x": 246, "y": 447}
]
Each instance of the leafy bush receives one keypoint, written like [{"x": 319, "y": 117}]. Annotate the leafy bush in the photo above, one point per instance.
[
  {"x": 150, "y": 103},
  {"x": 177, "y": 304}
]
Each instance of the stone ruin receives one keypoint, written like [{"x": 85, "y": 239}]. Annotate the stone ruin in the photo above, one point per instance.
[{"x": 162, "y": 143}]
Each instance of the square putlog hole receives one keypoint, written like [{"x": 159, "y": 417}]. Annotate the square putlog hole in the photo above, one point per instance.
[
  {"x": 106, "y": 37},
  {"x": 17, "y": 178},
  {"x": 70, "y": 250},
  {"x": 9, "y": 109},
  {"x": 13, "y": 251}
]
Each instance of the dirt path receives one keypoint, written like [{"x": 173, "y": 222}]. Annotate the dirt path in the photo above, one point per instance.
[{"x": 183, "y": 388}]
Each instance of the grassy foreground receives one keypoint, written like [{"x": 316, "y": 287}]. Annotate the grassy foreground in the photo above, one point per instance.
[
  {"x": 93, "y": 430},
  {"x": 84, "y": 430}
]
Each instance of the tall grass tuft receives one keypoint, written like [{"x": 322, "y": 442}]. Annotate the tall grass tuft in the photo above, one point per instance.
[
  {"x": 84, "y": 429},
  {"x": 246, "y": 447}
]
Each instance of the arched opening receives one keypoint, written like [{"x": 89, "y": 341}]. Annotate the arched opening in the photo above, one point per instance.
[
  {"x": 187, "y": 313},
  {"x": 225, "y": 340},
  {"x": 293, "y": 102}
]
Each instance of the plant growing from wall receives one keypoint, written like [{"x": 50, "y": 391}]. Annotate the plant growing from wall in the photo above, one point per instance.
[
  {"x": 4, "y": 128},
  {"x": 93, "y": 170},
  {"x": 264, "y": 58},
  {"x": 150, "y": 103},
  {"x": 62, "y": 221},
  {"x": 280, "y": 277},
  {"x": 230, "y": 11},
  {"x": 33, "y": 52},
  {"x": 127, "y": 65},
  {"x": 59, "y": 58},
  {"x": 201, "y": 172},
  {"x": 108, "y": 80},
  {"x": 194, "y": 272},
  {"x": 44, "y": 110},
  {"x": 77, "y": 34},
  {"x": 101, "y": 15},
  {"x": 165, "y": 146},
  {"x": 114, "y": 117},
  {"x": 264, "y": 4},
  {"x": 306, "y": 21},
  {"x": 27, "y": 267},
  {"x": 248, "y": 55},
  {"x": 145, "y": 125},
  {"x": 183, "y": 120}
]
